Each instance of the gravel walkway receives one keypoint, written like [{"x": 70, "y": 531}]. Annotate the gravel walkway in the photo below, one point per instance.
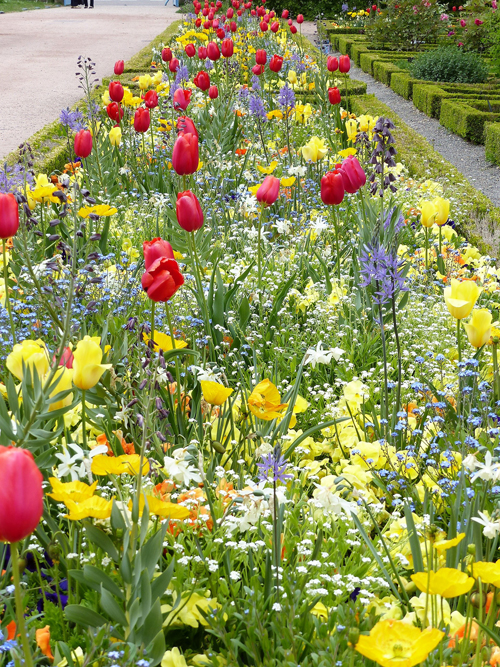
[{"x": 468, "y": 158}]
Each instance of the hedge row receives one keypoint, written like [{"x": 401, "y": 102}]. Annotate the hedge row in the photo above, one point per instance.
[{"x": 492, "y": 142}]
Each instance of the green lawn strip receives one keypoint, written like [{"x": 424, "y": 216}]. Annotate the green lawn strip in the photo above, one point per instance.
[
  {"x": 422, "y": 161},
  {"x": 8, "y": 6},
  {"x": 50, "y": 146}
]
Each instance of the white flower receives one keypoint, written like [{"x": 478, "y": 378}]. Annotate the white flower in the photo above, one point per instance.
[
  {"x": 282, "y": 226},
  {"x": 491, "y": 528},
  {"x": 204, "y": 374},
  {"x": 319, "y": 224},
  {"x": 318, "y": 355},
  {"x": 80, "y": 463},
  {"x": 487, "y": 472},
  {"x": 470, "y": 462},
  {"x": 178, "y": 469},
  {"x": 297, "y": 171}
]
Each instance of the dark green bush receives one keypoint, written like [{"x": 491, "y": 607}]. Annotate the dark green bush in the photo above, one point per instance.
[
  {"x": 309, "y": 8},
  {"x": 405, "y": 26},
  {"x": 450, "y": 63}
]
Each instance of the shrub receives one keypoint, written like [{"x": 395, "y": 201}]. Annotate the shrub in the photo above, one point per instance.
[
  {"x": 406, "y": 25},
  {"x": 450, "y": 63},
  {"x": 310, "y": 9}
]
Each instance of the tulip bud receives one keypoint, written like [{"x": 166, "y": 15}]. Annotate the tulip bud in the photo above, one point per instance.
[
  {"x": 202, "y": 80},
  {"x": 142, "y": 120},
  {"x": 190, "y": 50},
  {"x": 263, "y": 26},
  {"x": 290, "y": 22},
  {"x": 227, "y": 48},
  {"x": 334, "y": 95},
  {"x": 116, "y": 91},
  {"x": 182, "y": 98},
  {"x": 114, "y": 111},
  {"x": 9, "y": 216},
  {"x": 186, "y": 126},
  {"x": 119, "y": 67},
  {"x": 332, "y": 188},
  {"x": 213, "y": 92},
  {"x": 83, "y": 143},
  {"x": 166, "y": 55},
  {"x": 202, "y": 52},
  {"x": 332, "y": 64},
  {"x": 269, "y": 190},
  {"x": 21, "y": 494},
  {"x": 276, "y": 63},
  {"x": 275, "y": 27},
  {"x": 213, "y": 51},
  {"x": 300, "y": 19},
  {"x": 151, "y": 99},
  {"x": 344, "y": 64},
  {"x": 260, "y": 57},
  {"x": 173, "y": 65},
  {"x": 185, "y": 156},
  {"x": 293, "y": 29},
  {"x": 188, "y": 210}
]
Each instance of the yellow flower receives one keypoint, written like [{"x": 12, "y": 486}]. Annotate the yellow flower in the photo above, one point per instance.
[
  {"x": 115, "y": 136},
  {"x": 75, "y": 491},
  {"x": 265, "y": 401},
  {"x": 428, "y": 213},
  {"x": 87, "y": 367},
  {"x": 162, "y": 508},
  {"x": 103, "y": 210},
  {"x": 320, "y": 611},
  {"x": 287, "y": 182},
  {"x": 276, "y": 113},
  {"x": 164, "y": 342},
  {"x": 187, "y": 612},
  {"x": 446, "y": 582},
  {"x": 442, "y": 207},
  {"x": 302, "y": 113},
  {"x": 479, "y": 327},
  {"x": 215, "y": 393},
  {"x": 347, "y": 151},
  {"x": 489, "y": 573},
  {"x": 461, "y": 297},
  {"x": 366, "y": 123},
  {"x": 43, "y": 191},
  {"x": 315, "y": 149},
  {"x": 63, "y": 380},
  {"x": 95, "y": 507},
  {"x": 145, "y": 81},
  {"x": 253, "y": 188},
  {"x": 268, "y": 170},
  {"x": 292, "y": 77},
  {"x": 351, "y": 127},
  {"x": 117, "y": 465},
  {"x": 30, "y": 354},
  {"x": 398, "y": 644},
  {"x": 444, "y": 545},
  {"x": 173, "y": 658}
]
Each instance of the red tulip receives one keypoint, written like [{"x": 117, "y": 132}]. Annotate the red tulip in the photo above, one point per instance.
[
  {"x": 253, "y": 12},
  {"x": 119, "y": 67},
  {"x": 275, "y": 26},
  {"x": 9, "y": 215},
  {"x": 162, "y": 279},
  {"x": 344, "y": 64},
  {"x": 189, "y": 213},
  {"x": 293, "y": 29},
  {"x": 239, "y": 12},
  {"x": 66, "y": 358},
  {"x": 116, "y": 91},
  {"x": 21, "y": 494},
  {"x": 205, "y": 11},
  {"x": 166, "y": 55},
  {"x": 202, "y": 53},
  {"x": 300, "y": 19},
  {"x": 272, "y": 14},
  {"x": 230, "y": 13},
  {"x": 213, "y": 51},
  {"x": 478, "y": 22},
  {"x": 221, "y": 33},
  {"x": 332, "y": 64},
  {"x": 190, "y": 50},
  {"x": 284, "y": 14},
  {"x": 260, "y": 11},
  {"x": 227, "y": 48},
  {"x": 114, "y": 111},
  {"x": 269, "y": 190},
  {"x": 202, "y": 80},
  {"x": 142, "y": 120},
  {"x": 334, "y": 95},
  {"x": 261, "y": 57},
  {"x": 182, "y": 98},
  {"x": 197, "y": 23},
  {"x": 263, "y": 26},
  {"x": 213, "y": 92},
  {"x": 258, "y": 70},
  {"x": 374, "y": 8},
  {"x": 233, "y": 27},
  {"x": 83, "y": 143},
  {"x": 332, "y": 188},
  {"x": 173, "y": 65},
  {"x": 151, "y": 99},
  {"x": 155, "y": 249},
  {"x": 186, "y": 126},
  {"x": 215, "y": 24},
  {"x": 185, "y": 156},
  {"x": 353, "y": 174},
  {"x": 276, "y": 63},
  {"x": 207, "y": 25}
]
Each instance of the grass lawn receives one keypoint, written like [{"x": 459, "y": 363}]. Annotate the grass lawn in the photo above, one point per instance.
[{"x": 23, "y": 5}]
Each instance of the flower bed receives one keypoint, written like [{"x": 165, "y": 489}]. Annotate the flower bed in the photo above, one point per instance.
[{"x": 249, "y": 385}]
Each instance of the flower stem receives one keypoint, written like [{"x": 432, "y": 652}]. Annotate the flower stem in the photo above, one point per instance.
[
  {"x": 153, "y": 307},
  {"x": 84, "y": 427},
  {"x": 259, "y": 255},
  {"x": 28, "y": 660},
  {"x": 6, "y": 286}
]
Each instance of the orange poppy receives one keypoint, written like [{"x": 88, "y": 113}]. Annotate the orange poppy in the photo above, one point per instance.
[{"x": 43, "y": 641}]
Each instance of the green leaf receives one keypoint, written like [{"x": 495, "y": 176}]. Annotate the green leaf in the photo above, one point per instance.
[
  {"x": 160, "y": 584},
  {"x": 77, "y": 613},
  {"x": 152, "y": 550},
  {"x": 100, "y": 539},
  {"x": 153, "y": 623},
  {"x": 416, "y": 549},
  {"x": 156, "y": 649},
  {"x": 97, "y": 576},
  {"x": 112, "y": 608}
]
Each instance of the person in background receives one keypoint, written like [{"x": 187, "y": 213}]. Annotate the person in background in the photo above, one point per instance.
[{"x": 91, "y": 5}]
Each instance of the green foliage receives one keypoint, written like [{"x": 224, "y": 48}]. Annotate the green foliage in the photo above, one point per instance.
[
  {"x": 494, "y": 25},
  {"x": 468, "y": 118},
  {"x": 310, "y": 9},
  {"x": 492, "y": 142},
  {"x": 452, "y": 64},
  {"x": 406, "y": 25}
]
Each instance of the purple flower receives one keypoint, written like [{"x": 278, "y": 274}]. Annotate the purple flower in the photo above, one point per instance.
[
  {"x": 345, "y": 7},
  {"x": 71, "y": 119},
  {"x": 382, "y": 270},
  {"x": 257, "y": 107},
  {"x": 273, "y": 465},
  {"x": 12, "y": 178},
  {"x": 286, "y": 97},
  {"x": 255, "y": 83},
  {"x": 182, "y": 74}
]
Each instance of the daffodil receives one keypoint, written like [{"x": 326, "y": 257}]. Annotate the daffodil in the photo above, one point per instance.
[
  {"x": 315, "y": 149},
  {"x": 398, "y": 644},
  {"x": 446, "y": 582},
  {"x": 94, "y": 507},
  {"x": 75, "y": 491},
  {"x": 460, "y": 297},
  {"x": 479, "y": 327},
  {"x": 215, "y": 393},
  {"x": 265, "y": 401},
  {"x": 163, "y": 342},
  {"x": 118, "y": 465},
  {"x": 287, "y": 182}
]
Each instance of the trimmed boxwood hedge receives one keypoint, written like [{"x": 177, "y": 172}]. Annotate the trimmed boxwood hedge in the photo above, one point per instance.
[
  {"x": 468, "y": 118},
  {"x": 383, "y": 70},
  {"x": 428, "y": 97},
  {"x": 492, "y": 142}
]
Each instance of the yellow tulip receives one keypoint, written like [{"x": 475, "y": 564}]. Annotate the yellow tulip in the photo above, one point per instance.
[
  {"x": 31, "y": 354},
  {"x": 63, "y": 380},
  {"x": 428, "y": 213},
  {"x": 392, "y": 643},
  {"x": 145, "y": 81},
  {"x": 265, "y": 401},
  {"x": 460, "y": 297},
  {"x": 75, "y": 491},
  {"x": 292, "y": 77},
  {"x": 87, "y": 367},
  {"x": 446, "y": 582},
  {"x": 489, "y": 573},
  {"x": 115, "y": 136},
  {"x": 442, "y": 207},
  {"x": 315, "y": 149},
  {"x": 95, "y": 507},
  {"x": 366, "y": 123},
  {"x": 214, "y": 392},
  {"x": 351, "y": 127},
  {"x": 302, "y": 113},
  {"x": 173, "y": 658},
  {"x": 479, "y": 327}
]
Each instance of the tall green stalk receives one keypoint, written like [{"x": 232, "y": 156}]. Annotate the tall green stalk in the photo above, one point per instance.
[
  {"x": 21, "y": 626},
  {"x": 6, "y": 286}
]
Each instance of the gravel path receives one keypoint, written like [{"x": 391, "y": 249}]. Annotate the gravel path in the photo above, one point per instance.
[
  {"x": 468, "y": 158},
  {"x": 39, "y": 49}
]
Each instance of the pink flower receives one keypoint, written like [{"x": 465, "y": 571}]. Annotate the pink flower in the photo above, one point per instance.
[
  {"x": 451, "y": 33},
  {"x": 478, "y": 22},
  {"x": 494, "y": 4},
  {"x": 460, "y": 44},
  {"x": 463, "y": 23},
  {"x": 444, "y": 17}
]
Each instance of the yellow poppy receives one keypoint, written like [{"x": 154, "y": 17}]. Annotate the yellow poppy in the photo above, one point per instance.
[
  {"x": 118, "y": 465},
  {"x": 94, "y": 507},
  {"x": 287, "y": 182},
  {"x": 265, "y": 401},
  {"x": 102, "y": 210},
  {"x": 444, "y": 545},
  {"x": 214, "y": 392},
  {"x": 73, "y": 491},
  {"x": 163, "y": 342},
  {"x": 446, "y": 582},
  {"x": 161, "y": 508},
  {"x": 489, "y": 573},
  {"x": 267, "y": 170}
]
